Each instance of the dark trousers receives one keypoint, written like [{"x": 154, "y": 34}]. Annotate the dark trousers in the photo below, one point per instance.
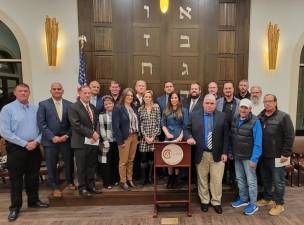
[
  {"x": 136, "y": 165},
  {"x": 52, "y": 157},
  {"x": 86, "y": 159},
  {"x": 23, "y": 167},
  {"x": 109, "y": 170},
  {"x": 272, "y": 176}
]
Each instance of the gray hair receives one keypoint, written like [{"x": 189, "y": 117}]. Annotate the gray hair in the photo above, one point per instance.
[
  {"x": 209, "y": 97},
  {"x": 256, "y": 86}
]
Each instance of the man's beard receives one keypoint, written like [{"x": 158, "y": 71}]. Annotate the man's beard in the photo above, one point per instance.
[
  {"x": 255, "y": 100},
  {"x": 194, "y": 97}
]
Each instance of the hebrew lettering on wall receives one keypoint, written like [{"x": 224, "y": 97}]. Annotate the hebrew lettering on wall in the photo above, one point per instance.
[
  {"x": 147, "y": 37},
  {"x": 146, "y": 64},
  {"x": 187, "y": 44},
  {"x": 185, "y": 12},
  {"x": 185, "y": 72},
  {"x": 147, "y": 8}
]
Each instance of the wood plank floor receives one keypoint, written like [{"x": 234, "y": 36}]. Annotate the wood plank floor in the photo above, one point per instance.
[{"x": 142, "y": 214}]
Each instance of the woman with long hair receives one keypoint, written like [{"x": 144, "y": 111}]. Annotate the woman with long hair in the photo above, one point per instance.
[
  {"x": 149, "y": 115},
  {"x": 125, "y": 123},
  {"x": 174, "y": 119}
]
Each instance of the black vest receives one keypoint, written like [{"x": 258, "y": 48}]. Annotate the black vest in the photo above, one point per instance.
[{"x": 242, "y": 137}]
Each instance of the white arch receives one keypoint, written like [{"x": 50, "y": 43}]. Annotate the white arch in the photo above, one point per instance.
[
  {"x": 24, "y": 48},
  {"x": 294, "y": 78}
]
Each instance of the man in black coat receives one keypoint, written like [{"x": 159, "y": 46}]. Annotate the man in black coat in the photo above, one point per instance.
[
  {"x": 84, "y": 141},
  {"x": 208, "y": 131},
  {"x": 278, "y": 138}
]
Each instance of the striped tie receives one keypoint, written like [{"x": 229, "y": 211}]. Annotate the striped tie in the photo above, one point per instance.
[{"x": 209, "y": 144}]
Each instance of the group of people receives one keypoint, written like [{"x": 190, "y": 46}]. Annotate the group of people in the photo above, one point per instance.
[{"x": 112, "y": 136}]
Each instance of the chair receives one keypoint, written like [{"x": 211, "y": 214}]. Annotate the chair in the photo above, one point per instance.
[{"x": 298, "y": 152}]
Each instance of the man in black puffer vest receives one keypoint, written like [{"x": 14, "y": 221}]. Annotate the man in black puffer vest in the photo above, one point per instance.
[
  {"x": 278, "y": 138},
  {"x": 246, "y": 137}
]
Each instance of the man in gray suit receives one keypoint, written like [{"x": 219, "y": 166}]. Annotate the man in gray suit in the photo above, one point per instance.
[
  {"x": 54, "y": 124},
  {"x": 84, "y": 141},
  {"x": 208, "y": 131}
]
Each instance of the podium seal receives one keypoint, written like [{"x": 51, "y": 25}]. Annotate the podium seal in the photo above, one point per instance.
[{"x": 172, "y": 154}]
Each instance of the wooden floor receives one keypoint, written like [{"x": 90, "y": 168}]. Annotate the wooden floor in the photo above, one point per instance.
[{"x": 142, "y": 214}]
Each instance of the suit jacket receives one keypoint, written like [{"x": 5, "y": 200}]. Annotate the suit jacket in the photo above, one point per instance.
[
  {"x": 81, "y": 124},
  {"x": 99, "y": 105},
  {"x": 49, "y": 123},
  {"x": 161, "y": 101},
  {"x": 220, "y": 134},
  {"x": 121, "y": 123},
  {"x": 198, "y": 105}
]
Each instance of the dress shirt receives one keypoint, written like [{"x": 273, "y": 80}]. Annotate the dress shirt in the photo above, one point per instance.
[
  {"x": 59, "y": 105},
  {"x": 94, "y": 100},
  {"x": 18, "y": 123}
]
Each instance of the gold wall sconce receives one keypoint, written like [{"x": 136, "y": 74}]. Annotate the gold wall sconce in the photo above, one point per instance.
[
  {"x": 273, "y": 42},
  {"x": 51, "y": 33},
  {"x": 164, "y": 5}
]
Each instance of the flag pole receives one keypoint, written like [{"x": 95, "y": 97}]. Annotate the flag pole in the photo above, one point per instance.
[{"x": 83, "y": 40}]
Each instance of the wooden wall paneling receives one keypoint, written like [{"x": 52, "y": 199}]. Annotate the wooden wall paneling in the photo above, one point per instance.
[
  {"x": 103, "y": 39},
  {"x": 147, "y": 68},
  {"x": 226, "y": 42},
  {"x": 218, "y": 32},
  {"x": 227, "y": 14},
  {"x": 89, "y": 65},
  {"x": 103, "y": 67},
  {"x": 102, "y": 11},
  {"x": 85, "y": 9}
]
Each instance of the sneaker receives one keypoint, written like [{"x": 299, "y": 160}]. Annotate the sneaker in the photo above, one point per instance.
[
  {"x": 250, "y": 209},
  {"x": 276, "y": 210},
  {"x": 239, "y": 203},
  {"x": 264, "y": 202}
]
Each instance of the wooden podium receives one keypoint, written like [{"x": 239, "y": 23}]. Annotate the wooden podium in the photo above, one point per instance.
[{"x": 172, "y": 154}]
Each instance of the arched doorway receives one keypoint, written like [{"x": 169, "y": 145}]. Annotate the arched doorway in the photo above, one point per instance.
[
  {"x": 10, "y": 64},
  {"x": 300, "y": 104}
]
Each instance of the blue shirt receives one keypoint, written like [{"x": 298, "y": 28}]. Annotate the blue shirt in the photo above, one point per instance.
[
  {"x": 94, "y": 100},
  {"x": 175, "y": 126},
  {"x": 257, "y": 140},
  {"x": 206, "y": 129},
  {"x": 18, "y": 123}
]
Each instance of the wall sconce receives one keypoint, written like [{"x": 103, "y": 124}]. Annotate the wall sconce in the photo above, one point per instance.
[
  {"x": 164, "y": 5},
  {"x": 273, "y": 42},
  {"x": 51, "y": 33}
]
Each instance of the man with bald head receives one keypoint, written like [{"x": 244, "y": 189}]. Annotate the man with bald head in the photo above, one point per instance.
[
  {"x": 96, "y": 99},
  {"x": 213, "y": 89},
  {"x": 208, "y": 131},
  {"x": 53, "y": 123}
]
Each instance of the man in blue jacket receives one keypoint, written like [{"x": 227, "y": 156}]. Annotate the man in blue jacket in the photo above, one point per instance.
[
  {"x": 246, "y": 137},
  {"x": 54, "y": 125}
]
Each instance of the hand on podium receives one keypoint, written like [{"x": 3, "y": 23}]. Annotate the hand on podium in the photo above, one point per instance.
[{"x": 191, "y": 141}]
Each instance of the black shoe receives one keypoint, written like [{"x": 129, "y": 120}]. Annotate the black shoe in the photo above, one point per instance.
[
  {"x": 204, "y": 207},
  {"x": 170, "y": 180},
  {"x": 84, "y": 193},
  {"x": 94, "y": 190},
  {"x": 13, "y": 215},
  {"x": 39, "y": 204},
  {"x": 131, "y": 184},
  {"x": 124, "y": 186},
  {"x": 218, "y": 209}
]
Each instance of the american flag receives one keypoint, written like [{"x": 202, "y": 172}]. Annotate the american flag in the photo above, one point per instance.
[{"x": 82, "y": 80}]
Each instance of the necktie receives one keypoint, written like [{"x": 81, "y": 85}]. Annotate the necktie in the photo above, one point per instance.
[
  {"x": 58, "y": 110},
  {"x": 209, "y": 144},
  {"x": 89, "y": 112},
  {"x": 192, "y": 105}
]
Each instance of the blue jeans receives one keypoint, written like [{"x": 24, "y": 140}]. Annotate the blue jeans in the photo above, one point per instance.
[
  {"x": 272, "y": 176},
  {"x": 247, "y": 180}
]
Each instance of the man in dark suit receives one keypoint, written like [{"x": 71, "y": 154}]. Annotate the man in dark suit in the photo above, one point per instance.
[
  {"x": 163, "y": 100},
  {"x": 53, "y": 123},
  {"x": 208, "y": 130},
  {"x": 84, "y": 141},
  {"x": 96, "y": 99},
  {"x": 194, "y": 101}
]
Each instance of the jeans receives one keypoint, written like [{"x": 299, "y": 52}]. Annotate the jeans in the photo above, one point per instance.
[
  {"x": 272, "y": 175},
  {"x": 247, "y": 180}
]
